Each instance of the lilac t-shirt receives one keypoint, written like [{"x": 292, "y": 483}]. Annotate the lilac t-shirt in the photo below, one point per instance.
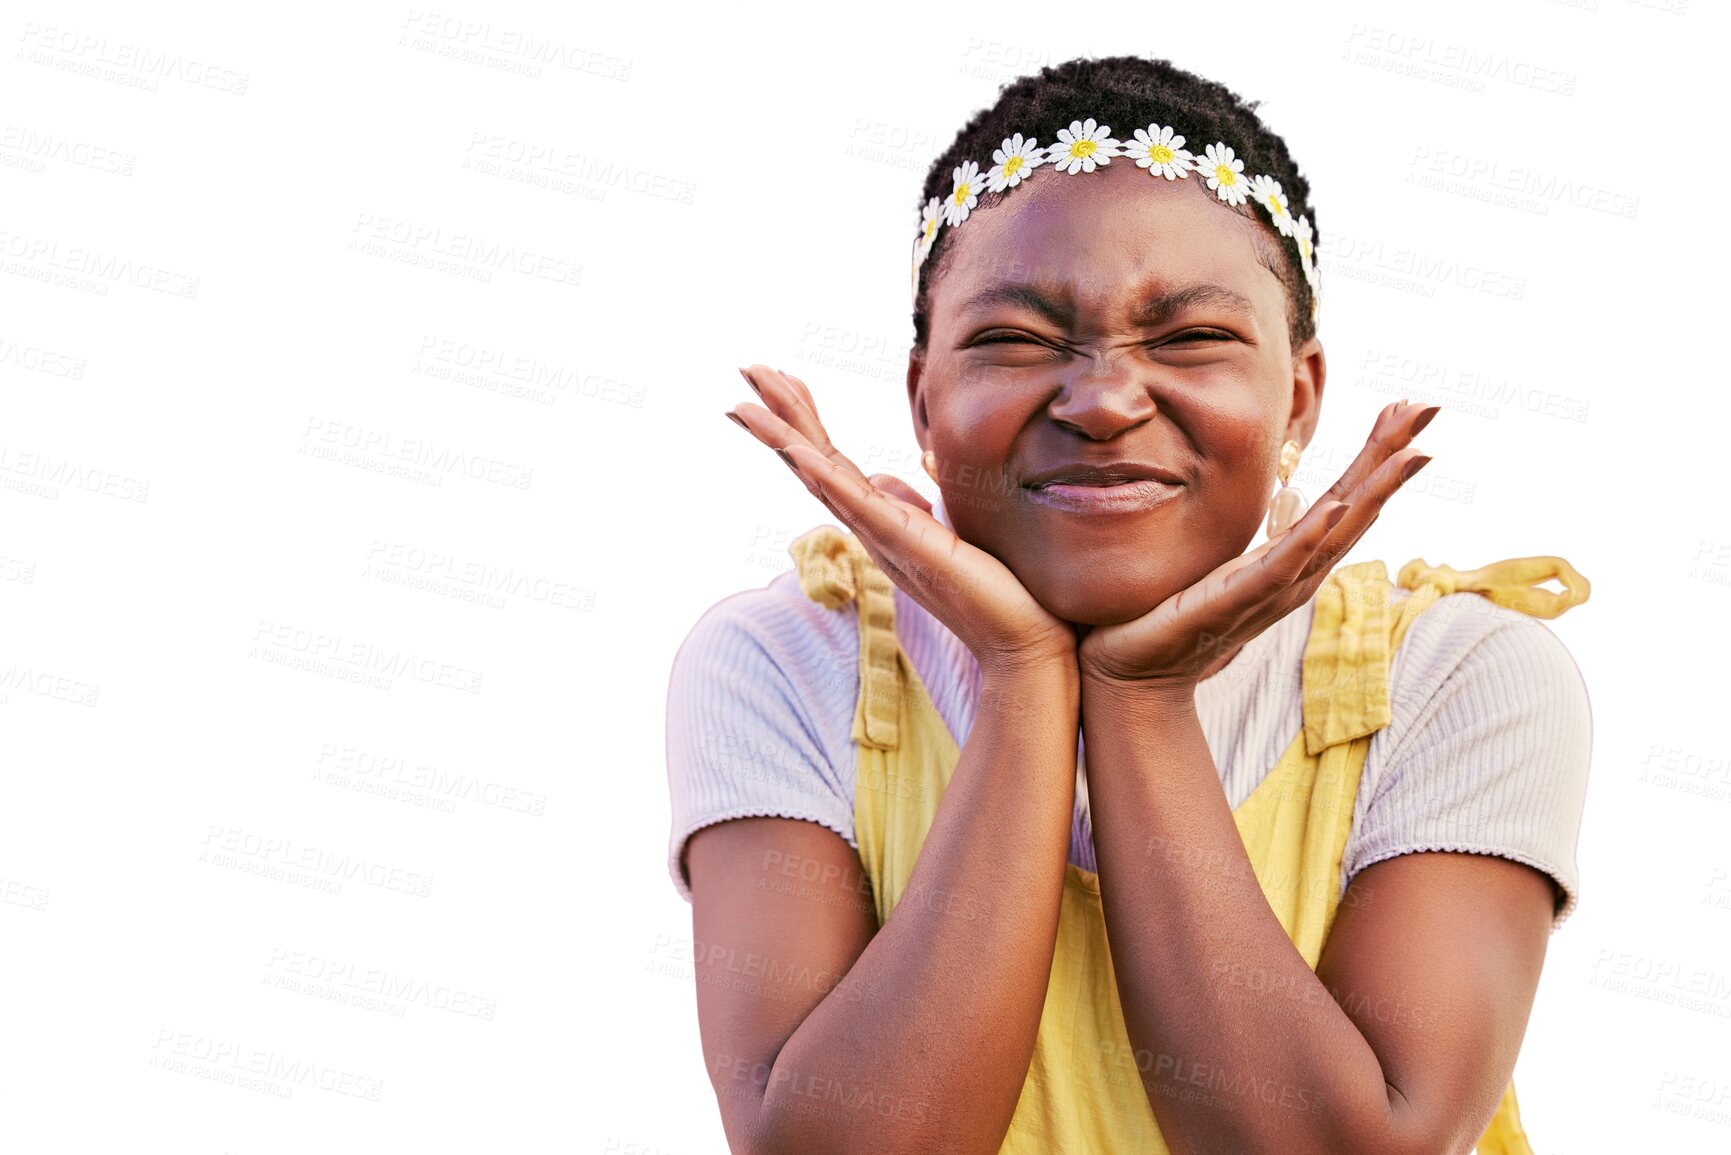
[{"x": 1487, "y": 751}]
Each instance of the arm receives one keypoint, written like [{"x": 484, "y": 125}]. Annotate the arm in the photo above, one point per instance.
[
  {"x": 923, "y": 1041},
  {"x": 925, "y": 1044},
  {"x": 1401, "y": 1041},
  {"x": 1290, "y": 1060}
]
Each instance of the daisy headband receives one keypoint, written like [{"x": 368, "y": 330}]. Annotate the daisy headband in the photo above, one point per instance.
[{"x": 1087, "y": 145}]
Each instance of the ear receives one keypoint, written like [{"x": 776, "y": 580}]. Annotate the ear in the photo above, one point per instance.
[
  {"x": 917, "y": 397},
  {"x": 1309, "y": 372}
]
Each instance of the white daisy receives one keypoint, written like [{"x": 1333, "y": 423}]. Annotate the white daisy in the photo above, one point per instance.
[
  {"x": 1160, "y": 152},
  {"x": 1082, "y": 146},
  {"x": 965, "y": 195},
  {"x": 1225, "y": 174},
  {"x": 1017, "y": 157},
  {"x": 1306, "y": 250},
  {"x": 931, "y": 220},
  {"x": 1267, "y": 192}
]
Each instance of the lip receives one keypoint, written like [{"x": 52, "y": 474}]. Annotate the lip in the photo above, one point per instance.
[
  {"x": 1102, "y": 474},
  {"x": 1126, "y": 497}
]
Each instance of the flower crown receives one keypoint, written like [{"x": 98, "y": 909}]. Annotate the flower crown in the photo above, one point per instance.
[{"x": 1086, "y": 145}]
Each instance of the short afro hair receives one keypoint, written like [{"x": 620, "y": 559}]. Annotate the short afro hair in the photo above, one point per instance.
[{"x": 1126, "y": 93}]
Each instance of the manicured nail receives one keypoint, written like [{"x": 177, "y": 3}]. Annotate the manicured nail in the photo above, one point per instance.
[
  {"x": 1413, "y": 467},
  {"x": 1335, "y": 514},
  {"x": 736, "y": 419},
  {"x": 787, "y": 457},
  {"x": 1426, "y": 419},
  {"x": 751, "y": 383}
]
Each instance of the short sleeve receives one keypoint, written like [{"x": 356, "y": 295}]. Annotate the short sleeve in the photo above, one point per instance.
[
  {"x": 759, "y": 716},
  {"x": 1492, "y": 749}
]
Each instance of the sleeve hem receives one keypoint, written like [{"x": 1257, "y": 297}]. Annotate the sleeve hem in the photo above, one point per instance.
[
  {"x": 678, "y": 849},
  {"x": 1570, "y": 898}
]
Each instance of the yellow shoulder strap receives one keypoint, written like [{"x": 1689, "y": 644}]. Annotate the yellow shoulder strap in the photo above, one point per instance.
[
  {"x": 1514, "y": 583},
  {"x": 835, "y": 569}
]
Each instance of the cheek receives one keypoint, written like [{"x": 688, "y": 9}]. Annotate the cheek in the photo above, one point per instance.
[
  {"x": 1242, "y": 450},
  {"x": 977, "y": 420},
  {"x": 974, "y": 426}
]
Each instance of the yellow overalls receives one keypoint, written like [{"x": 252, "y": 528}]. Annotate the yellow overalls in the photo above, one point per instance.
[{"x": 1083, "y": 1092}]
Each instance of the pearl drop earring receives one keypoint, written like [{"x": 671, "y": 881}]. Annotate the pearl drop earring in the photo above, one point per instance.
[{"x": 1288, "y": 504}]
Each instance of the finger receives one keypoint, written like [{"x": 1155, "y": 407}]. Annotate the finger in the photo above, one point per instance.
[
  {"x": 1372, "y": 494},
  {"x": 895, "y": 486},
  {"x": 1377, "y": 471},
  {"x": 800, "y": 386},
  {"x": 1368, "y": 498},
  {"x": 1395, "y": 427},
  {"x": 776, "y": 433},
  {"x": 1289, "y": 558},
  {"x": 764, "y": 425},
  {"x": 899, "y": 536},
  {"x": 788, "y": 403}
]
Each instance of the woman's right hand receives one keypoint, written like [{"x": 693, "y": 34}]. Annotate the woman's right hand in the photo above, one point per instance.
[{"x": 964, "y": 587}]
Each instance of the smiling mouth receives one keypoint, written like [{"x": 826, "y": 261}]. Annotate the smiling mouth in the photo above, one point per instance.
[{"x": 1104, "y": 496}]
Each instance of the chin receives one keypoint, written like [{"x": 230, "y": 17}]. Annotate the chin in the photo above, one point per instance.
[{"x": 1095, "y": 598}]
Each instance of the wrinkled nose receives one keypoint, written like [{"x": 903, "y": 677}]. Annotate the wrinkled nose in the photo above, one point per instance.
[{"x": 1105, "y": 392}]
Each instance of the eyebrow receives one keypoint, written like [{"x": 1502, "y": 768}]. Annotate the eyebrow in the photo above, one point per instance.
[{"x": 1152, "y": 310}]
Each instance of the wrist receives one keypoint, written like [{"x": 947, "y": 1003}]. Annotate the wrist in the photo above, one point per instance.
[
  {"x": 1050, "y": 670},
  {"x": 1012, "y": 679},
  {"x": 1035, "y": 661},
  {"x": 1154, "y": 697}
]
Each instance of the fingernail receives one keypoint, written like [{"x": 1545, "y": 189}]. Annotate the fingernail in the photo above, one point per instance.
[
  {"x": 735, "y": 418},
  {"x": 751, "y": 383},
  {"x": 1426, "y": 419},
  {"x": 787, "y": 457},
  {"x": 1335, "y": 514},
  {"x": 1413, "y": 467}
]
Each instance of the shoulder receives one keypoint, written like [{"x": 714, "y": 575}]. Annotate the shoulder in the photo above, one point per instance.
[
  {"x": 779, "y": 626},
  {"x": 1466, "y": 643},
  {"x": 760, "y": 706},
  {"x": 1489, "y": 744}
]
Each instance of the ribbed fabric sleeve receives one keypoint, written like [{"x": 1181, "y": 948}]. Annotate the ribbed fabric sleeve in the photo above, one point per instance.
[
  {"x": 1489, "y": 749},
  {"x": 760, "y": 715}
]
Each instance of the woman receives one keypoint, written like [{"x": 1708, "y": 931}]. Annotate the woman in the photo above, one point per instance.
[{"x": 1328, "y": 822}]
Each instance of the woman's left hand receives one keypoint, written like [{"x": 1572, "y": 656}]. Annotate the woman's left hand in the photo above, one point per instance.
[{"x": 1174, "y": 643}]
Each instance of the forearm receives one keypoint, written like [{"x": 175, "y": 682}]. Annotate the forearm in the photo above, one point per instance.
[
  {"x": 1241, "y": 1047},
  {"x": 938, "y": 1061}
]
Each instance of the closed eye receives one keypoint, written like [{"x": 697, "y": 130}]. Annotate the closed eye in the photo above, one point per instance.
[{"x": 1202, "y": 335}]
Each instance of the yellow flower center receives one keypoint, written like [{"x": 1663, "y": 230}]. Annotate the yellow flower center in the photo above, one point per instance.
[
  {"x": 1160, "y": 154},
  {"x": 961, "y": 194},
  {"x": 1084, "y": 148},
  {"x": 1225, "y": 175},
  {"x": 1013, "y": 165},
  {"x": 931, "y": 226},
  {"x": 1275, "y": 207}
]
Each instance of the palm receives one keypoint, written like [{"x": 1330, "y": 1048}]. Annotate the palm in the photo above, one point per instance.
[
  {"x": 971, "y": 592},
  {"x": 1181, "y": 637}
]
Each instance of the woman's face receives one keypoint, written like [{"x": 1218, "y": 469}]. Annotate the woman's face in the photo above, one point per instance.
[{"x": 1122, "y": 322}]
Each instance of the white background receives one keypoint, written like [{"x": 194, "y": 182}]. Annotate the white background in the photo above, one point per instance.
[{"x": 227, "y": 333}]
